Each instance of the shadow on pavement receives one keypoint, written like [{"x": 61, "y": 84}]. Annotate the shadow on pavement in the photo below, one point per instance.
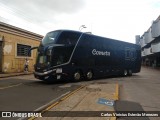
[{"x": 131, "y": 107}]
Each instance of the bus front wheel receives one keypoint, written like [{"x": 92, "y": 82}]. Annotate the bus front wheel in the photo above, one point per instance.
[{"x": 77, "y": 76}]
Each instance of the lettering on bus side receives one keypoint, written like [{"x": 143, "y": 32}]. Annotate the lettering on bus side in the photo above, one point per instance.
[
  {"x": 103, "y": 53},
  {"x": 130, "y": 54}
]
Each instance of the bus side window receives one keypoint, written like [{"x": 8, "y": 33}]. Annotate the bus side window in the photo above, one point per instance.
[{"x": 68, "y": 38}]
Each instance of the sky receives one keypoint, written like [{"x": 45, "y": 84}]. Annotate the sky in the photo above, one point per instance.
[{"x": 117, "y": 19}]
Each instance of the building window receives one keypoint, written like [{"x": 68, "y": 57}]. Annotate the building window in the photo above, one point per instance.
[{"x": 22, "y": 50}]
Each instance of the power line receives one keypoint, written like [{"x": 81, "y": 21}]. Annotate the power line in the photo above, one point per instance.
[
  {"x": 19, "y": 15},
  {"x": 17, "y": 12}
]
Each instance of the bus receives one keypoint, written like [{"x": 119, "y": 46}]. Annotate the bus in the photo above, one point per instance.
[{"x": 75, "y": 55}]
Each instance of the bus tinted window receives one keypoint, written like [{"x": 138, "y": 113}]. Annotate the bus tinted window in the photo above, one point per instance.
[
  {"x": 61, "y": 55},
  {"x": 50, "y": 37},
  {"x": 68, "y": 38}
]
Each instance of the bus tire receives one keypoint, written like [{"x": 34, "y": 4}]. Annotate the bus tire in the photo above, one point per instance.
[
  {"x": 125, "y": 72},
  {"x": 89, "y": 75},
  {"x": 129, "y": 72},
  {"x": 77, "y": 76}
]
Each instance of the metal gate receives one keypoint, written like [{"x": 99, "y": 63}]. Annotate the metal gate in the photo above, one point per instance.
[{"x": 1, "y": 56}]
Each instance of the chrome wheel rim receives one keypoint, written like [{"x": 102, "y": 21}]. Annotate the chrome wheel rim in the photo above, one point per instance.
[
  {"x": 77, "y": 76},
  {"x": 89, "y": 75}
]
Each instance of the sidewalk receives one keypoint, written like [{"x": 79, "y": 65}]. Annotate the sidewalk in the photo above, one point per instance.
[
  {"x": 4, "y": 75},
  {"x": 88, "y": 103}
]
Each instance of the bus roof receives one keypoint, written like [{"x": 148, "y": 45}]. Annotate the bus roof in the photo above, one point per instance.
[{"x": 90, "y": 34}]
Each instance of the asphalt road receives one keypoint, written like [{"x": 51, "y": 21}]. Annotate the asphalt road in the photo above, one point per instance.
[
  {"x": 25, "y": 93},
  {"x": 143, "y": 88}
]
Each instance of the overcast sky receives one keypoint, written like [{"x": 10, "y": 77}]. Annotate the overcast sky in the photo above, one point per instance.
[{"x": 118, "y": 19}]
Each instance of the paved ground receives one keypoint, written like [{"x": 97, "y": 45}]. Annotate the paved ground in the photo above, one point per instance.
[
  {"x": 89, "y": 103},
  {"x": 143, "y": 88},
  {"x": 6, "y": 75},
  {"x": 25, "y": 93},
  {"x": 139, "y": 92}
]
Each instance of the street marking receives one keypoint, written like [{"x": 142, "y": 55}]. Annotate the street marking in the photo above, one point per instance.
[
  {"x": 117, "y": 92},
  {"x": 58, "y": 102},
  {"x": 113, "y": 118},
  {"x": 71, "y": 93},
  {"x": 2, "y": 88},
  {"x": 65, "y": 97},
  {"x": 51, "y": 102},
  {"x": 65, "y": 86},
  {"x": 62, "y": 99}
]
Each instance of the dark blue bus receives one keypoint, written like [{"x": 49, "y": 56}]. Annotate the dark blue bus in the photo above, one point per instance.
[{"x": 66, "y": 54}]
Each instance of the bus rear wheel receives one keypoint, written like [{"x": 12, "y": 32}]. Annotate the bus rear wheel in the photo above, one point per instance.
[
  {"x": 89, "y": 75},
  {"x": 125, "y": 72},
  {"x": 77, "y": 76},
  {"x": 129, "y": 72}
]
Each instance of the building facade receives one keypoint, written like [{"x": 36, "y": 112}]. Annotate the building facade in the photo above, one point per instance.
[
  {"x": 150, "y": 44},
  {"x": 14, "y": 45}
]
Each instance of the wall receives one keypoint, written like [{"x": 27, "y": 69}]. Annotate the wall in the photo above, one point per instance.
[
  {"x": 150, "y": 44},
  {"x": 10, "y": 61}
]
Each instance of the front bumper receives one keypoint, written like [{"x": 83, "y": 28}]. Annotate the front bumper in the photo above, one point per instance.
[
  {"x": 44, "y": 73},
  {"x": 54, "y": 74}
]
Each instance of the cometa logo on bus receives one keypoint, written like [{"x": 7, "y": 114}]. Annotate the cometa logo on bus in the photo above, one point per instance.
[{"x": 103, "y": 53}]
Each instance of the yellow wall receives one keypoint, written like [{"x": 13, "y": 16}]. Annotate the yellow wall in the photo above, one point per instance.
[{"x": 10, "y": 61}]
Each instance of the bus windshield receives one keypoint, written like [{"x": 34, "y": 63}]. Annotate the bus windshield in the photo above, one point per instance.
[
  {"x": 63, "y": 44},
  {"x": 50, "y": 37},
  {"x": 43, "y": 60},
  {"x": 62, "y": 54}
]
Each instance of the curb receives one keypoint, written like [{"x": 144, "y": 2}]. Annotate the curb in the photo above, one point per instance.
[
  {"x": 116, "y": 99},
  {"x": 52, "y": 104},
  {"x": 16, "y": 74},
  {"x": 117, "y": 92}
]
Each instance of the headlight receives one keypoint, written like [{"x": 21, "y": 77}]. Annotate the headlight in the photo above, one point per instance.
[{"x": 59, "y": 70}]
